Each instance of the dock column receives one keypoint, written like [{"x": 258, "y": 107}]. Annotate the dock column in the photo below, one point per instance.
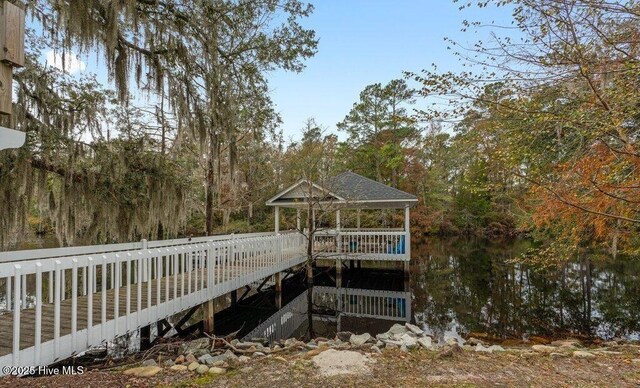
[
  {"x": 278, "y": 287},
  {"x": 277, "y": 219},
  {"x": 407, "y": 242},
  {"x": 208, "y": 311},
  {"x": 145, "y": 337},
  {"x": 338, "y": 273}
]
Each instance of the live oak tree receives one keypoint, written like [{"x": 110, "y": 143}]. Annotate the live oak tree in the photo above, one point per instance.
[{"x": 202, "y": 64}]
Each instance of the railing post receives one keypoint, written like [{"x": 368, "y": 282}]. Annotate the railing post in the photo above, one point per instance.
[
  {"x": 16, "y": 316},
  {"x": 144, "y": 245}
]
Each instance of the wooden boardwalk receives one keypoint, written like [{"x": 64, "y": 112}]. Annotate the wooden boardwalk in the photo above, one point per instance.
[{"x": 150, "y": 285}]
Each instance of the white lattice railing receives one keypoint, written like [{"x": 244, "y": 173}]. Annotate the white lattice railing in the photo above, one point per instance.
[
  {"x": 378, "y": 304},
  {"x": 57, "y": 307},
  {"x": 378, "y": 245}
]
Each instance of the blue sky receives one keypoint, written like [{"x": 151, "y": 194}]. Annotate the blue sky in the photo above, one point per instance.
[
  {"x": 368, "y": 41},
  {"x": 361, "y": 42}
]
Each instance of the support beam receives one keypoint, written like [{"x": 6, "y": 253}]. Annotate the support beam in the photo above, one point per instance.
[
  {"x": 338, "y": 273},
  {"x": 407, "y": 233},
  {"x": 358, "y": 218},
  {"x": 145, "y": 337},
  {"x": 277, "y": 219},
  {"x": 278, "y": 281},
  {"x": 298, "y": 220},
  {"x": 208, "y": 311}
]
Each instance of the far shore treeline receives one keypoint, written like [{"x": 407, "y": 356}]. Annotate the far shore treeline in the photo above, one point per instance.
[{"x": 538, "y": 138}]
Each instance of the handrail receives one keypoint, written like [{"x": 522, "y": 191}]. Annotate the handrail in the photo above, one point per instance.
[{"x": 32, "y": 254}]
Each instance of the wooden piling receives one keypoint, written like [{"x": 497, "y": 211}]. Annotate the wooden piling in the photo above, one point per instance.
[{"x": 208, "y": 311}]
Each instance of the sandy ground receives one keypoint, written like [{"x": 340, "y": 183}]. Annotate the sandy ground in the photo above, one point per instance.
[{"x": 392, "y": 368}]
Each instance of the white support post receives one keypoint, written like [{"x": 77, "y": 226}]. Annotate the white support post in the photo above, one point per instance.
[
  {"x": 407, "y": 233},
  {"x": 277, "y": 219},
  {"x": 358, "y": 219},
  {"x": 338, "y": 237},
  {"x": 298, "y": 220}
]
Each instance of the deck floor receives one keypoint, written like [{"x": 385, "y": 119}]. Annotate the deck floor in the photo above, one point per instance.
[{"x": 27, "y": 316}]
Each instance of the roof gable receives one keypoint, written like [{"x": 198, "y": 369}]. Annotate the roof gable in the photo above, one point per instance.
[{"x": 347, "y": 188}]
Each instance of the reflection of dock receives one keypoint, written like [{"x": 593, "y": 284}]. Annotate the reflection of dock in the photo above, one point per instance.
[
  {"x": 335, "y": 303},
  {"x": 360, "y": 303}
]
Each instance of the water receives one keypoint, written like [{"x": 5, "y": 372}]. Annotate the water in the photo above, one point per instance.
[{"x": 462, "y": 287}]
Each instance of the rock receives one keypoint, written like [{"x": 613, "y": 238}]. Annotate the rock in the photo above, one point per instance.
[
  {"x": 206, "y": 359},
  {"x": 193, "y": 366},
  {"x": 556, "y": 355},
  {"x": 611, "y": 343},
  {"x": 404, "y": 348},
  {"x": 376, "y": 349},
  {"x": 380, "y": 344},
  {"x": 567, "y": 342},
  {"x": 218, "y": 363},
  {"x": 496, "y": 348},
  {"x": 180, "y": 359},
  {"x": 321, "y": 339},
  {"x": 202, "y": 369},
  {"x": 344, "y": 335},
  {"x": 397, "y": 329},
  {"x": 244, "y": 359},
  {"x": 235, "y": 342},
  {"x": 425, "y": 342},
  {"x": 190, "y": 358},
  {"x": 247, "y": 345},
  {"x": 149, "y": 362},
  {"x": 252, "y": 349},
  {"x": 357, "y": 340},
  {"x": 608, "y": 352},
  {"x": 450, "y": 351},
  {"x": 334, "y": 362},
  {"x": 474, "y": 341},
  {"x": 313, "y": 346},
  {"x": 539, "y": 340},
  {"x": 280, "y": 359},
  {"x": 144, "y": 371},
  {"x": 543, "y": 348},
  {"x": 583, "y": 354},
  {"x": 391, "y": 345},
  {"x": 197, "y": 344},
  {"x": 258, "y": 354},
  {"x": 214, "y": 370},
  {"x": 409, "y": 341},
  {"x": 246, "y": 369},
  {"x": 228, "y": 355},
  {"x": 383, "y": 336},
  {"x": 323, "y": 343},
  {"x": 179, "y": 368},
  {"x": 414, "y": 329},
  {"x": 277, "y": 347},
  {"x": 480, "y": 348},
  {"x": 451, "y": 340},
  {"x": 168, "y": 363}
]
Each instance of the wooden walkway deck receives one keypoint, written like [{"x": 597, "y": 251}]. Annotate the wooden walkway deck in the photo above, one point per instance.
[{"x": 151, "y": 285}]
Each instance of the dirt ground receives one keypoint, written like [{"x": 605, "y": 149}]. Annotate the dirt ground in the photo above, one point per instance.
[{"x": 392, "y": 368}]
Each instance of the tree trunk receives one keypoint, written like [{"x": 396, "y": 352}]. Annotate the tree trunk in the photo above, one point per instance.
[{"x": 210, "y": 200}]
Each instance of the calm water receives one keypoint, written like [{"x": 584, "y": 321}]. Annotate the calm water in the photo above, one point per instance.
[
  {"x": 472, "y": 286},
  {"x": 462, "y": 286}
]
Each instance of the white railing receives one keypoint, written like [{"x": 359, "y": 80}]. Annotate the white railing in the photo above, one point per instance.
[
  {"x": 31, "y": 254},
  {"x": 361, "y": 303},
  {"x": 64, "y": 305},
  {"x": 351, "y": 302},
  {"x": 378, "y": 245},
  {"x": 284, "y": 323}
]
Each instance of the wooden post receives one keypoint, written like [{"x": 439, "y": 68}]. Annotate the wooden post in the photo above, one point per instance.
[
  {"x": 338, "y": 273},
  {"x": 277, "y": 219},
  {"x": 278, "y": 286},
  {"x": 208, "y": 311},
  {"x": 145, "y": 337},
  {"x": 298, "y": 220},
  {"x": 12, "y": 35},
  {"x": 358, "y": 219}
]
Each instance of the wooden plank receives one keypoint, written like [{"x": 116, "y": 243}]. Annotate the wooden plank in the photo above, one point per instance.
[
  {"x": 12, "y": 35},
  {"x": 6, "y": 78}
]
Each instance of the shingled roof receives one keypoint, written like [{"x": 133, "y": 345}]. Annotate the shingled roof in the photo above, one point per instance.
[{"x": 347, "y": 188}]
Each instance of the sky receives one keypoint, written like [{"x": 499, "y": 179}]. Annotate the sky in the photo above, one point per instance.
[
  {"x": 369, "y": 41},
  {"x": 361, "y": 42}
]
